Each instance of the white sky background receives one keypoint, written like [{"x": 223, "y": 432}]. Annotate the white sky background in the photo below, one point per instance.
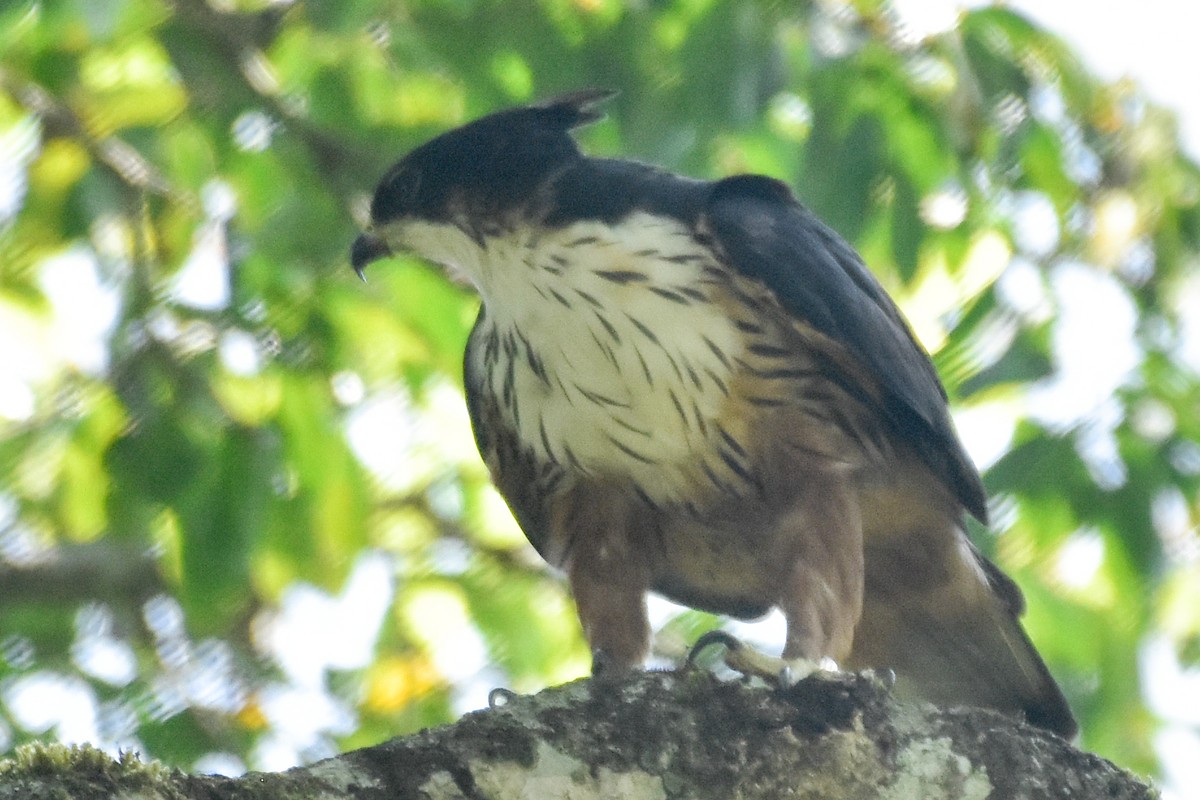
[{"x": 1151, "y": 41}]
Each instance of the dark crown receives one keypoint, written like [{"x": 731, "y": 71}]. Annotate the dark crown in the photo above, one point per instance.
[{"x": 498, "y": 160}]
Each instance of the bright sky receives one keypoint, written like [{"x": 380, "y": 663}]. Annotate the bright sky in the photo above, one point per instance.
[{"x": 1151, "y": 41}]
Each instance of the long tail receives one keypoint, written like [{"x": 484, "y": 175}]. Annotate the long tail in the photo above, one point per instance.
[{"x": 943, "y": 617}]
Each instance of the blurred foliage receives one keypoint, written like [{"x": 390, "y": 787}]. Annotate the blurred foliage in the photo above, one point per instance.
[{"x": 240, "y": 510}]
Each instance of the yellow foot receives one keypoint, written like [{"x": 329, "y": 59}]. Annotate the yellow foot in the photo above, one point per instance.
[{"x": 750, "y": 662}]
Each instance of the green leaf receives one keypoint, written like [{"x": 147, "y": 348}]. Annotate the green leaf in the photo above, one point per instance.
[
  {"x": 908, "y": 230},
  {"x": 223, "y": 516}
]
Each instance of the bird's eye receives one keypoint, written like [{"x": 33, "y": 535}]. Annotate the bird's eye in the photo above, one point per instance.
[
  {"x": 405, "y": 187},
  {"x": 399, "y": 193}
]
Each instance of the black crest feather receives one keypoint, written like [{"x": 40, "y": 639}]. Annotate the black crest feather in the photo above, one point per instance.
[{"x": 576, "y": 109}]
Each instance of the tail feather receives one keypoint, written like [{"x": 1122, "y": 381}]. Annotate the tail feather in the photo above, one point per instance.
[
  {"x": 974, "y": 658},
  {"x": 945, "y": 619}
]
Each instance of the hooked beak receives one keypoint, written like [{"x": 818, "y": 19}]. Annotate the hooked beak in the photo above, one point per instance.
[{"x": 367, "y": 248}]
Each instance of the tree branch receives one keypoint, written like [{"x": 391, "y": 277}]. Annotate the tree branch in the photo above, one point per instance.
[
  {"x": 118, "y": 157},
  {"x": 653, "y": 735},
  {"x": 112, "y": 572}
]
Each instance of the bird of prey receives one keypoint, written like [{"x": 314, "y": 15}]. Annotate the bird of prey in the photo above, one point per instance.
[{"x": 697, "y": 388}]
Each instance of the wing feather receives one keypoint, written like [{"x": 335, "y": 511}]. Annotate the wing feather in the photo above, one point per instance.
[
  {"x": 524, "y": 484},
  {"x": 767, "y": 235}
]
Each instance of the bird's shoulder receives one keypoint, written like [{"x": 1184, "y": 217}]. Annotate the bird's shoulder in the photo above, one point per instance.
[{"x": 610, "y": 190}]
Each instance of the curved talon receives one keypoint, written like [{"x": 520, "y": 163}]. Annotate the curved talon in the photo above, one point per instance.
[
  {"x": 500, "y": 697},
  {"x": 604, "y": 666},
  {"x": 787, "y": 679},
  {"x": 885, "y": 676},
  {"x": 713, "y": 637}
]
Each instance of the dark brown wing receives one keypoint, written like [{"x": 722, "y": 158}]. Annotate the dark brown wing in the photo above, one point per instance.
[
  {"x": 934, "y": 610},
  {"x": 767, "y": 235}
]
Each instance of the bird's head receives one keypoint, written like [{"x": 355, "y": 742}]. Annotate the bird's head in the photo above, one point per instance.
[{"x": 445, "y": 198}]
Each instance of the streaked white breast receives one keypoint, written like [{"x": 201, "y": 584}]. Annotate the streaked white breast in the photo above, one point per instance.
[{"x": 620, "y": 361}]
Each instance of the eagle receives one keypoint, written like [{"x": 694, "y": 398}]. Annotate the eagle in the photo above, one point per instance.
[{"x": 697, "y": 388}]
